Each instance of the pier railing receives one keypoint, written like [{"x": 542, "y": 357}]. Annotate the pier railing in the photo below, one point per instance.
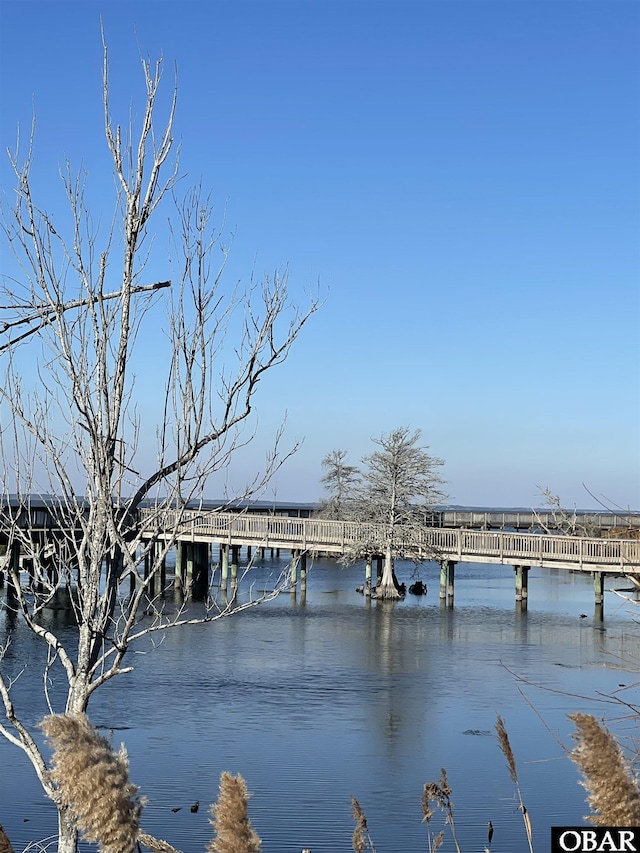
[{"x": 339, "y": 537}]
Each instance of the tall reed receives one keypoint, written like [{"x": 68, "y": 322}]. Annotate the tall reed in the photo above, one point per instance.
[
  {"x": 505, "y": 746},
  {"x": 361, "y": 838},
  {"x": 230, "y": 819},
  {"x": 440, "y": 794},
  {"x": 5, "y": 844},
  {"x": 613, "y": 792},
  {"x": 93, "y": 781}
]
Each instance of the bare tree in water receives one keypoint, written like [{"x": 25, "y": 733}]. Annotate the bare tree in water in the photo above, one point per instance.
[
  {"x": 390, "y": 497},
  {"x": 401, "y": 483},
  {"x": 74, "y": 313}
]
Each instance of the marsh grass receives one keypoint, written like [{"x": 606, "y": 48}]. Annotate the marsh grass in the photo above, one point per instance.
[{"x": 93, "y": 781}]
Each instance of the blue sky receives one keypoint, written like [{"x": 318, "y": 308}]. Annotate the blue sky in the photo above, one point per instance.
[{"x": 463, "y": 178}]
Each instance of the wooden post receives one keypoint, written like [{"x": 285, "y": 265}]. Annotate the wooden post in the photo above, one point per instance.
[
  {"x": 235, "y": 559},
  {"x": 447, "y": 578},
  {"x": 153, "y": 557},
  {"x": 117, "y": 561},
  {"x": 188, "y": 567},
  {"x": 598, "y": 587},
  {"x": 522, "y": 583},
  {"x": 248, "y": 553},
  {"x": 378, "y": 569},
  {"x": 178, "y": 585},
  {"x": 224, "y": 566},
  {"x": 368, "y": 571},
  {"x": 443, "y": 578},
  {"x": 14, "y": 562},
  {"x": 163, "y": 569},
  {"x": 295, "y": 559},
  {"x": 200, "y": 569},
  {"x": 147, "y": 561},
  {"x": 303, "y": 572},
  {"x": 452, "y": 567}
]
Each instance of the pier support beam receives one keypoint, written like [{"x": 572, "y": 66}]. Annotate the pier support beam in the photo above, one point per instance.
[
  {"x": 598, "y": 588},
  {"x": 235, "y": 561},
  {"x": 447, "y": 578},
  {"x": 295, "y": 561},
  {"x": 163, "y": 567},
  {"x": 14, "y": 562},
  {"x": 200, "y": 570},
  {"x": 181, "y": 562},
  {"x": 148, "y": 565},
  {"x": 303, "y": 571},
  {"x": 188, "y": 548},
  {"x": 522, "y": 583},
  {"x": 224, "y": 567},
  {"x": 368, "y": 571},
  {"x": 378, "y": 569}
]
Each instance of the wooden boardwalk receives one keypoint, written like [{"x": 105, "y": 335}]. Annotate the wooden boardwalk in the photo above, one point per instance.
[{"x": 612, "y": 556}]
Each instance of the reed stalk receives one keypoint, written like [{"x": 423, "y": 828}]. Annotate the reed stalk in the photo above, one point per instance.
[
  {"x": 505, "y": 746},
  {"x": 440, "y": 794},
  {"x": 361, "y": 838}
]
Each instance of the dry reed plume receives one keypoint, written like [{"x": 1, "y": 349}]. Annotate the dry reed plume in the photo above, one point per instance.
[
  {"x": 156, "y": 845},
  {"x": 93, "y": 781},
  {"x": 233, "y": 830},
  {"x": 5, "y": 844},
  {"x": 613, "y": 793},
  {"x": 505, "y": 746},
  {"x": 361, "y": 838},
  {"x": 439, "y": 793}
]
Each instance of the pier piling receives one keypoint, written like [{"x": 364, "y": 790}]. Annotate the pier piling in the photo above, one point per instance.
[
  {"x": 522, "y": 583},
  {"x": 447, "y": 579}
]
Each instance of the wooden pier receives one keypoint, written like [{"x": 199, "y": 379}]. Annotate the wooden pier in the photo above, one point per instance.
[
  {"x": 195, "y": 530},
  {"x": 597, "y": 556},
  {"x": 617, "y": 556}
]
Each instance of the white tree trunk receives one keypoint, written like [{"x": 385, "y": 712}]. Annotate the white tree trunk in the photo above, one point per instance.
[
  {"x": 387, "y": 588},
  {"x": 67, "y": 832}
]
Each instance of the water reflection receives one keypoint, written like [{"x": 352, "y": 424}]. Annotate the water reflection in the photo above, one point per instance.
[{"x": 323, "y": 693}]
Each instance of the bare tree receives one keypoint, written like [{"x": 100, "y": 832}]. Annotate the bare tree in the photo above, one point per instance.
[
  {"x": 77, "y": 433},
  {"x": 390, "y": 497},
  {"x": 400, "y": 483},
  {"x": 555, "y": 518},
  {"x": 341, "y": 482}
]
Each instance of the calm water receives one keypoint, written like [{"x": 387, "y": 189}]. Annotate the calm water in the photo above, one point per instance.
[{"x": 315, "y": 700}]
